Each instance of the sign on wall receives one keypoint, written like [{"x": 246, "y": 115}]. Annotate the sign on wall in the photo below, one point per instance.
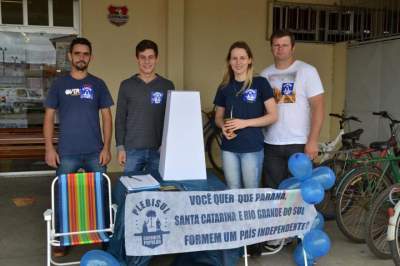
[
  {"x": 175, "y": 222},
  {"x": 118, "y": 15}
]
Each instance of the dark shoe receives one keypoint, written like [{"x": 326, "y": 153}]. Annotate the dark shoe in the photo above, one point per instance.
[
  {"x": 104, "y": 246},
  {"x": 59, "y": 252},
  {"x": 254, "y": 250}
]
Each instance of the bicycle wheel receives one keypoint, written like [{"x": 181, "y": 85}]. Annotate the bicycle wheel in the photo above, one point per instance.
[
  {"x": 395, "y": 244},
  {"x": 213, "y": 147},
  {"x": 354, "y": 199},
  {"x": 377, "y": 223},
  {"x": 327, "y": 206}
]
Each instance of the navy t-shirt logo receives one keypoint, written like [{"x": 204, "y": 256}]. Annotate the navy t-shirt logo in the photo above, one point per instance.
[
  {"x": 73, "y": 92},
  {"x": 156, "y": 97},
  {"x": 250, "y": 95},
  {"x": 287, "y": 88},
  {"x": 87, "y": 92}
]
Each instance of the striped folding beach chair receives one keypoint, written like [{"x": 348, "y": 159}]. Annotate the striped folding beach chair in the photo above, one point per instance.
[{"x": 82, "y": 213}]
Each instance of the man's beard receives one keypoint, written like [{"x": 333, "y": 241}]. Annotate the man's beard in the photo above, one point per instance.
[{"x": 81, "y": 67}]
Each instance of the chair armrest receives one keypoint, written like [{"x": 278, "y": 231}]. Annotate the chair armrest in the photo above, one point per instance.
[
  {"x": 47, "y": 215},
  {"x": 114, "y": 208}
]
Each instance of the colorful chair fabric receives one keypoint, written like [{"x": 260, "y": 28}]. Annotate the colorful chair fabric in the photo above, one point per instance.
[{"x": 82, "y": 213}]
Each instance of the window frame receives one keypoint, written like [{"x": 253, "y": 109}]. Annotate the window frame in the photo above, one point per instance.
[
  {"x": 25, "y": 27},
  {"x": 358, "y": 23}
]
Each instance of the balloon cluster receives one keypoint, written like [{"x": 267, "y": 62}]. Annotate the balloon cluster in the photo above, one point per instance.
[
  {"x": 312, "y": 183},
  {"x": 98, "y": 257}
]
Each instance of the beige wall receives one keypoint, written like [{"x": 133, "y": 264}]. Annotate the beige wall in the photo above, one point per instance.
[
  {"x": 193, "y": 38},
  {"x": 114, "y": 47},
  {"x": 212, "y": 26}
]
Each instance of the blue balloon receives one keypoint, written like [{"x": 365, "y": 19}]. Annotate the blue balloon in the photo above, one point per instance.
[
  {"x": 325, "y": 176},
  {"x": 290, "y": 183},
  {"x": 317, "y": 243},
  {"x": 98, "y": 257},
  {"x": 298, "y": 256},
  {"x": 300, "y": 165},
  {"x": 319, "y": 222},
  {"x": 312, "y": 191}
]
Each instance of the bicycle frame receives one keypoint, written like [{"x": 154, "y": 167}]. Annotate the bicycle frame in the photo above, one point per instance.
[
  {"x": 212, "y": 136},
  {"x": 326, "y": 148},
  {"x": 393, "y": 215},
  {"x": 329, "y": 149},
  {"x": 365, "y": 185},
  {"x": 392, "y": 223},
  {"x": 388, "y": 160}
]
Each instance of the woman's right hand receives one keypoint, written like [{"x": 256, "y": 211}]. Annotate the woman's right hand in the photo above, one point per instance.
[
  {"x": 229, "y": 134},
  {"x": 219, "y": 121}
]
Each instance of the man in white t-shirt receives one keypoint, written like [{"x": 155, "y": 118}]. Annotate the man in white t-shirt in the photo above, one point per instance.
[{"x": 298, "y": 92}]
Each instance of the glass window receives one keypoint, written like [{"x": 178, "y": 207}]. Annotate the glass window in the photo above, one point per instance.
[
  {"x": 30, "y": 63},
  {"x": 333, "y": 21},
  {"x": 38, "y": 12},
  {"x": 346, "y": 21},
  {"x": 292, "y": 18},
  {"x": 11, "y": 12},
  {"x": 63, "y": 13},
  {"x": 22, "y": 93},
  {"x": 34, "y": 94},
  {"x": 336, "y": 23}
]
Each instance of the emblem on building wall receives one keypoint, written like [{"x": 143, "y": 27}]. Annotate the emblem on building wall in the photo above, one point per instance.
[{"x": 118, "y": 15}]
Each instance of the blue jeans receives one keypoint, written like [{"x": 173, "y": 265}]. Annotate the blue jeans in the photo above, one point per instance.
[
  {"x": 72, "y": 163},
  {"x": 142, "y": 160},
  {"x": 242, "y": 169}
]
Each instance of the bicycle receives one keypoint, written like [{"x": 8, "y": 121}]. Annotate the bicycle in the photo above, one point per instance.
[
  {"x": 336, "y": 156},
  {"x": 364, "y": 182},
  {"x": 376, "y": 225},
  {"x": 376, "y": 228},
  {"x": 393, "y": 233},
  {"x": 332, "y": 149},
  {"x": 213, "y": 139}
]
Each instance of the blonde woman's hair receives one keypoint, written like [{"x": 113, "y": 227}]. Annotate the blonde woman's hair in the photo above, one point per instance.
[{"x": 229, "y": 75}]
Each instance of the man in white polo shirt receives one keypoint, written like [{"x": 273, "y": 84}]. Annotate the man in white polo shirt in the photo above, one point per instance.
[{"x": 298, "y": 93}]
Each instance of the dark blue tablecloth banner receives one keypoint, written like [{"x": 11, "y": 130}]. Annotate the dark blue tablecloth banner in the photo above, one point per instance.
[{"x": 212, "y": 258}]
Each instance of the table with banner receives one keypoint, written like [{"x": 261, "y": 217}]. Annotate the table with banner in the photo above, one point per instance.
[{"x": 203, "y": 223}]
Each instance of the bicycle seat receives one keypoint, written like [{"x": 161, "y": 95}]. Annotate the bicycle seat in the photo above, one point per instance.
[{"x": 353, "y": 135}]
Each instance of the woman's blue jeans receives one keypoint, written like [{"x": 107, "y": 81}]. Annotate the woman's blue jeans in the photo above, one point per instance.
[{"x": 242, "y": 170}]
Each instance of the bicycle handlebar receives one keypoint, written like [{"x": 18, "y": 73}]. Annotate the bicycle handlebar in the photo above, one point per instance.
[
  {"x": 381, "y": 113},
  {"x": 335, "y": 115},
  {"x": 393, "y": 122},
  {"x": 386, "y": 115},
  {"x": 343, "y": 118}
]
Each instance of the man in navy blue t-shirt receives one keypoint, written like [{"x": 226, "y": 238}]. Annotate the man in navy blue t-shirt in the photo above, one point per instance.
[{"x": 77, "y": 98}]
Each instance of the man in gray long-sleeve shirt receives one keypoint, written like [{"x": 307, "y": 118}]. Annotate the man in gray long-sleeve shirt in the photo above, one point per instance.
[{"x": 140, "y": 113}]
